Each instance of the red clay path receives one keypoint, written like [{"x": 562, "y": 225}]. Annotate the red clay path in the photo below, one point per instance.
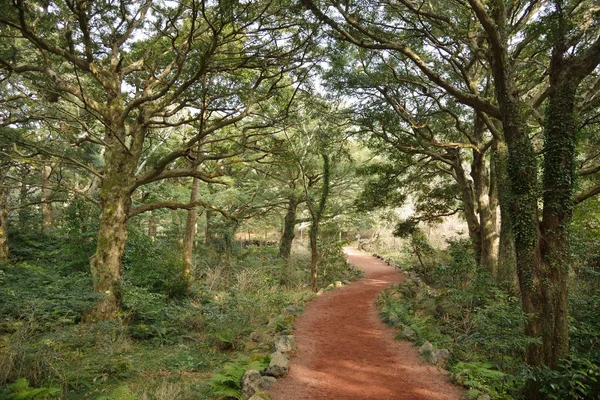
[{"x": 345, "y": 352}]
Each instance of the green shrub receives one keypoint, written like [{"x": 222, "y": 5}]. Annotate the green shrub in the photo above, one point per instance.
[
  {"x": 33, "y": 292},
  {"x": 228, "y": 381},
  {"x": 572, "y": 379},
  {"x": 156, "y": 265},
  {"x": 153, "y": 316},
  {"x": 20, "y": 390}
]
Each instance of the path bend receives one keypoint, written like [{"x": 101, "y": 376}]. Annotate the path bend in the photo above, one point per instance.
[{"x": 345, "y": 352}]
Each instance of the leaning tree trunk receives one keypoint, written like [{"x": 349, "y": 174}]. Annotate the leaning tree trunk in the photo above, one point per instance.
[
  {"x": 289, "y": 229},
  {"x": 190, "y": 229},
  {"x": 46, "y": 197}
]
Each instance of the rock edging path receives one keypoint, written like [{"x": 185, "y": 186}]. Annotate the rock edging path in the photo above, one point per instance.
[{"x": 345, "y": 352}]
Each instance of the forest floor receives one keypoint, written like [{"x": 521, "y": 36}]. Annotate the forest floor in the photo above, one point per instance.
[{"x": 345, "y": 352}]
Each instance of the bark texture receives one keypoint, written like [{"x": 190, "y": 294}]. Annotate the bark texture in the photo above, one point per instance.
[
  {"x": 289, "y": 229},
  {"x": 3, "y": 220},
  {"x": 507, "y": 259},
  {"x": 190, "y": 229},
  {"x": 316, "y": 215}
]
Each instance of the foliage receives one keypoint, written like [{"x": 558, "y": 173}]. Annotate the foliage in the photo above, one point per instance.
[
  {"x": 572, "y": 379},
  {"x": 20, "y": 390},
  {"x": 155, "y": 265},
  {"x": 58, "y": 299},
  {"x": 227, "y": 382},
  {"x": 479, "y": 323}
]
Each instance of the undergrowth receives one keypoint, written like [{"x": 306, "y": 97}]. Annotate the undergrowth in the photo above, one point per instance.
[
  {"x": 453, "y": 303},
  {"x": 176, "y": 338}
]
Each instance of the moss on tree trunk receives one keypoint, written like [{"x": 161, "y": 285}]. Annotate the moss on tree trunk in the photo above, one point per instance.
[{"x": 289, "y": 227}]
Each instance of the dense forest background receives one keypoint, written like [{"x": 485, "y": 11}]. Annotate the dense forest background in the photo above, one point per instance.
[{"x": 174, "y": 174}]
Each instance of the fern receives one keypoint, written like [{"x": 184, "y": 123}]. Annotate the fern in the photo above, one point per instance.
[
  {"x": 227, "y": 383},
  {"x": 20, "y": 390}
]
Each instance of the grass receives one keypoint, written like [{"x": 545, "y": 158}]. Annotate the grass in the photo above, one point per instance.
[{"x": 165, "y": 345}]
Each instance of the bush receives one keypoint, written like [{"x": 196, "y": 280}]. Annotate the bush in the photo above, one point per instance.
[
  {"x": 155, "y": 265},
  {"x": 228, "y": 381},
  {"x": 572, "y": 379},
  {"x": 57, "y": 299}
]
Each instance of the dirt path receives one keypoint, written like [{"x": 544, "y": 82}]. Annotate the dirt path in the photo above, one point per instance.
[{"x": 345, "y": 352}]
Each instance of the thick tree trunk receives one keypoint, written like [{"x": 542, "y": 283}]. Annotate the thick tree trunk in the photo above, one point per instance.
[
  {"x": 106, "y": 262},
  {"x": 523, "y": 200},
  {"x": 524, "y": 214},
  {"x": 469, "y": 204},
  {"x": 487, "y": 203},
  {"x": 289, "y": 229},
  {"x": 559, "y": 176},
  {"x": 3, "y": 221},
  {"x": 47, "y": 221},
  {"x": 190, "y": 229},
  {"x": 115, "y": 202},
  {"x": 507, "y": 263}
]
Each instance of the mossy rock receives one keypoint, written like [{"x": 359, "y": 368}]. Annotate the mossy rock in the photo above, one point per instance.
[{"x": 261, "y": 396}]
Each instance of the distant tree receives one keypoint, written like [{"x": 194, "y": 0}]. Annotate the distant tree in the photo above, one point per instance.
[
  {"x": 116, "y": 75},
  {"x": 521, "y": 44}
]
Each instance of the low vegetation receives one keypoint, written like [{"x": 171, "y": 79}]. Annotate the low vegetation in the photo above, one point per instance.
[
  {"x": 453, "y": 303},
  {"x": 172, "y": 339}
]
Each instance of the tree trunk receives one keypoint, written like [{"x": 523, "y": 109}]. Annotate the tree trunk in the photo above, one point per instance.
[
  {"x": 112, "y": 235},
  {"x": 485, "y": 193},
  {"x": 23, "y": 211},
  {"x": 560, "y": 138},
  {"x": 152, "y": 225},
  {"x": 469, "y": 203},
  {"x": 47, "y": 222},
  {"x": 507, "y": 264},
  {"x": 289, "y": 229},
  {"x": 316, "y": 215},
  {"x": 3, "y": 220},
  {"x": 314, "y": 254},
  {"x": 115, "y": 202},
  {"x": 190, "y": 229}
]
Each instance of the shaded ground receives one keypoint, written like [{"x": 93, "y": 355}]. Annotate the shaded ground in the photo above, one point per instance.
[{"x": 345, "y": 352}]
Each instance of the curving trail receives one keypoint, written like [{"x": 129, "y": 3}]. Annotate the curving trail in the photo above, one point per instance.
[{"x": 345, "y": 352}]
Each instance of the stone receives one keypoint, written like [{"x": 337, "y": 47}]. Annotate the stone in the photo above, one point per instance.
[
  {"x": 338, "y": 284},
  {"x": 265, "y": 383},
  {"x": 440, "y": 357},
  {"x": 320, "y": 292},
  {"x": 408, "y": 333},
  {"x": 249, "y": 381},
  {"x": 279, "y": 365},
  {"x": 291, "y": 310},
  {"x": 393, "y": 318},
  {"x": 261, "y": 396},
  {"x": 261, "y": 337},
  {"x": 253, "y": 383},
  {"x": 285, "y": 343},
  {"x": 426, "y": 350}
]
